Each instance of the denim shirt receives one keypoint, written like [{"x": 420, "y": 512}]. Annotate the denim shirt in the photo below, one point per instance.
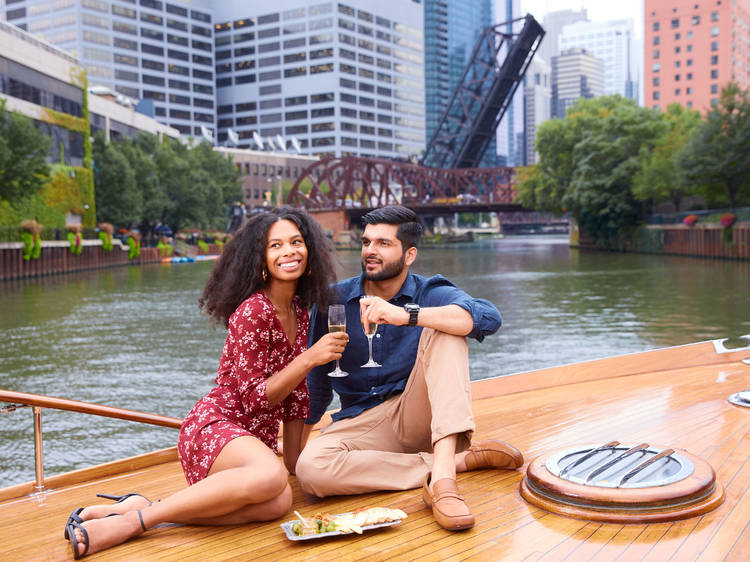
[{"x": 394, "y": 347}]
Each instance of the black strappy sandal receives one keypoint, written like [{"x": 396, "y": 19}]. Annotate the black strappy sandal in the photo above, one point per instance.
[
  {"x": 70, "y": 531},
  {"x": 118, "y": 499},
  {"x": 74, "y": 517}
]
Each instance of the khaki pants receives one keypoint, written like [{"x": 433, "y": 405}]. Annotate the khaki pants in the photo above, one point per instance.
[{"x": 388, "y": 447}]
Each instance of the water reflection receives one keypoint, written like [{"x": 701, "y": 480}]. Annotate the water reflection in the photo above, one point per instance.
[{"x": 133, "y": 337}]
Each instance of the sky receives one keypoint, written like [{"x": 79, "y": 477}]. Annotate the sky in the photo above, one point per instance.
[{"x": 598, "y": 10}]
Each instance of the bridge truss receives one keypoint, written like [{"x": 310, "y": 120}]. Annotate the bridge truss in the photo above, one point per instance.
[
  {"x": 483, "y": 95},
  {"x": 353, "y": 182}
]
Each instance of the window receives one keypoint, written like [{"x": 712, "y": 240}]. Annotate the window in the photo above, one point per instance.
[
  {"x": 295, "y": 71},
  {"x": 656, "y": 40},
  {"x": 675, "y": 23},
  {"x": 677, "y": 92},
  {"x": 676, "y": 50},
  {"x": 689, "y": 48},
  {"x": 182, "y": 100},
  {"x": 656, "y": 81},
  {"x": 177, "y": 40},
  {"x": 175, "y": 54},
  {"x": 676, "y": 36},
  {"x": 656, "y": 26},
  {"x": 714, "y": 16},
  {"x": 689, "y": 62},
  {"x": 695, "y": 20},
  {"x": 715, "y": 31},
  {"x": 714, "y": 45},
  {"x": 125, "y": 75},
  {"x": 124, "y": 28},
  {"x": 249, "y": 106},
  {"x": 177, "y": 10},
  {"x": 124, "y": 59},
  {"x": 125, "y": 44},
  {"x": 714, "y": 59},
  {"x": 656, "y": 67},
  {"x": 318, "y": 68},
  {"x": 714, "y": 89},
  {"x": 676, "y": 77},
  {"x": 689, "y": 76},
  {"x": 677, "y": 64},
  {"x": 714, "y": 74},
  {"x": 151, "y": 34},
  {"x": 656, "y": 94},
  {"x": 321, "y": 53},
  {"x": 688, "y": 91},
  {"x": 153, "y": 50}
]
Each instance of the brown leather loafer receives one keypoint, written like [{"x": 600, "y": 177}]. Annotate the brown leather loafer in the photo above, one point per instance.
[
  {"x": 448, "y": 506},
  {"x": 493, "y": 454}
]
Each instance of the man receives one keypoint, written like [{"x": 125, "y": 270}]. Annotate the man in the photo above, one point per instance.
[{"x": 408, "y": 422}]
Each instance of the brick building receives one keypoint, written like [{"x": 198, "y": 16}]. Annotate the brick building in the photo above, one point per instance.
[{"x": 693, "y": 48}]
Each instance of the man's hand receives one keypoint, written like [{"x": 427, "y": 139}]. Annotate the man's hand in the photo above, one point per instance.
[{"x": 375, "y": 309}]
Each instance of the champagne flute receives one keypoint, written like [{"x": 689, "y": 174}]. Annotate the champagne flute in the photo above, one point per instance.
[
  {"x": 337, "y": 323},
  {"x": 369, "y": 328}
]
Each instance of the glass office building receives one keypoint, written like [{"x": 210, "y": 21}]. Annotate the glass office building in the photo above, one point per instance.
[
  {"x": 342, "y": 78},
  {"x": 144, "y": 49},
  {"x": 451, "y": 29}
]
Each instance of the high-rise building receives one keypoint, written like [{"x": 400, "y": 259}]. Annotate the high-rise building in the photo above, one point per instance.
[
  {"x": 576, "y": 74},
  {"x": 692, "y": 49},
  {"x": 452, "y": 28},
  {"x": 511, "y": 135},
  {"x": 152, "y": 50},
  {"x": 537, "y": 105},
  {"x": 614, "y": 43},
  {"x": 553, "y": 24},
  {"x": 342, "y": 78}
]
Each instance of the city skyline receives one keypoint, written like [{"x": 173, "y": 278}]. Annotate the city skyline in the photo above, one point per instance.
[{"x": 597, "y": 11}]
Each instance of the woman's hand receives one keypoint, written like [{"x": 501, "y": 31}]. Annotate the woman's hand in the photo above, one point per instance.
[{"x": 328, "y": 348}]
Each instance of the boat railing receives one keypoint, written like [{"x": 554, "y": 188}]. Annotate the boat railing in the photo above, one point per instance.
[{"x": 38, "y": 402}]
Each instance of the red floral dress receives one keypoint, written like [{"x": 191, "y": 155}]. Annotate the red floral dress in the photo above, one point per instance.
[{"x": 256, "y": 347}]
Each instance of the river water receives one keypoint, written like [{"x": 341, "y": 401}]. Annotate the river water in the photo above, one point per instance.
[{"x": 133, "y": 337}]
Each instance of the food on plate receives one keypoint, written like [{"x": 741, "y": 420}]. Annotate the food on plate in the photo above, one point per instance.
[{"x": 346, "y": 522}]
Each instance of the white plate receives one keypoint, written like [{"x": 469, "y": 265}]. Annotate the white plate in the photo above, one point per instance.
[{"x": 287, "y": 527}]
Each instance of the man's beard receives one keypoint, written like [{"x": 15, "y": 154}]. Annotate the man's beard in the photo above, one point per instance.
[{"x": 389, "y": 271}]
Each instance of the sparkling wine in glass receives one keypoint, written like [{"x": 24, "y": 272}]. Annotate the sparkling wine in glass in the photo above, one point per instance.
[
  {"x": 337, "y": 323},
  {"x": 369, "y": 328}
]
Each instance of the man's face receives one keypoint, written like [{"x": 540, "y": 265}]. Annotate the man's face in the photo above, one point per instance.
[{"x": 383, "y": 256}]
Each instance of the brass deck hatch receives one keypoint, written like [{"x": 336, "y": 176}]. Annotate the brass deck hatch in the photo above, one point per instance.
[{"x": 619, "y": 482}]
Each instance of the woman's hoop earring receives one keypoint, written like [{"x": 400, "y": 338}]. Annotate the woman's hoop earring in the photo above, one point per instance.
[
  {"x": 309, "y": 272},
  {"x": 264, "y": 274}
]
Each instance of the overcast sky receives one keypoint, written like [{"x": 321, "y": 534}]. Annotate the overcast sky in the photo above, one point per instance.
[{"x": 598, "y": 10}]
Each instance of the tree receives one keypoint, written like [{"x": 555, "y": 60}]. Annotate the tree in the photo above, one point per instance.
[
  {"x": 139, "y": 152},
  {"x": 118, "y": 199},
  {"x": 659, "y": 178},
  {"x": 717, "y": 156},
  {"x": 23, "y": 152},
  {"x": 587, "y": 162}
]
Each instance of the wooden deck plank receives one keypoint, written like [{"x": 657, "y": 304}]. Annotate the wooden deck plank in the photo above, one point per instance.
[{"x": 684, "y": 407}]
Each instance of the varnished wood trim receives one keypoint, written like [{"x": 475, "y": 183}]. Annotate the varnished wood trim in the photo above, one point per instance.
[
  {"x": 679, "y": 357},
  {"x": 91, "y": 473},
  {"x": 87, "y": 408}
]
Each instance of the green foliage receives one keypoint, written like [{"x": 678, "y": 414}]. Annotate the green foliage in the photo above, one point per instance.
[
  {"x": 118, "y": 199},
  {"x": 587, "y": 163},
  {"x": 23, "y": 152},
  {"x": 717, "y": 156},
  {"x": 32, "y": 246},
  {"x": 659, "y": 178},
  {"x": 134, "y": 247},
  {"x": 76, "y": 247},
  {"x": 106, "y": 239},
  {"x": 203, "y": 246}
]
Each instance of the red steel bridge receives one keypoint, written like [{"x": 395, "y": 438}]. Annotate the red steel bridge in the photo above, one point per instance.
[
  {"x": 450, "y": 180},
  {"x": 356, "y": 185}
]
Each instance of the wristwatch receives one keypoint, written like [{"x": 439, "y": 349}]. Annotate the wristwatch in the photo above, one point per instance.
[{"x": 413, "y": 310}]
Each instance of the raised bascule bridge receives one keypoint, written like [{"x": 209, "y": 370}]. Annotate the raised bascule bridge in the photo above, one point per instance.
[{"x": 448, "y": 178}]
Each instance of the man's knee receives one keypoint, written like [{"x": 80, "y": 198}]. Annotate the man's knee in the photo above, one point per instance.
[{"x": 311, "y": 471}]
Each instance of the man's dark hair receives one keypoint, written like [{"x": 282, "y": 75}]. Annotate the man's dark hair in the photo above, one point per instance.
[{"x": 409, "y": 228}]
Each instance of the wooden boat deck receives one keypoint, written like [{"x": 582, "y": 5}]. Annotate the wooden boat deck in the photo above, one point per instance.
[{"x": 674, "y": 397}]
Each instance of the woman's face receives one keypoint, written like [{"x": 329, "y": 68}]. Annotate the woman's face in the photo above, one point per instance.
[{"x": 286, "y": 252}]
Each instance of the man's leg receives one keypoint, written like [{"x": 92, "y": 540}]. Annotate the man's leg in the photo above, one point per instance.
[{"x": 359, "y": 455}]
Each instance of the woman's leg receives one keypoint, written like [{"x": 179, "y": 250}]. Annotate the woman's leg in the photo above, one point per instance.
[{"x": 247, "y": 482}]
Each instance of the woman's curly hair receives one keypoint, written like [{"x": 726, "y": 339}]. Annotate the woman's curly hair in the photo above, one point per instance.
[{"x": 238, "y": 273}]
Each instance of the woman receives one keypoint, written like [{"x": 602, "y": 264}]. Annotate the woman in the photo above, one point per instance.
[{"x": 271, "y": 271}]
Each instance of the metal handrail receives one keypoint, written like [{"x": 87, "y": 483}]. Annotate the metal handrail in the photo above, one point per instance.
[{"x": 38, "y": 401}]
